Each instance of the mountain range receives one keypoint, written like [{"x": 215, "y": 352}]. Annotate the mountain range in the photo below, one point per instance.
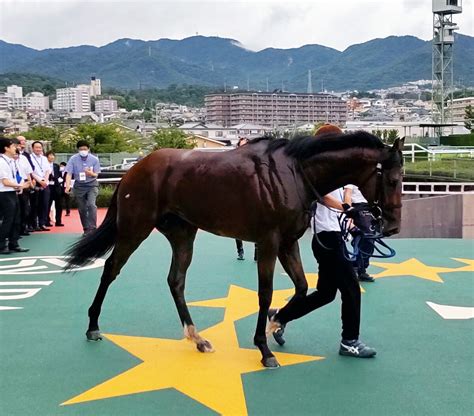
[{"x": 219, "y": 62}]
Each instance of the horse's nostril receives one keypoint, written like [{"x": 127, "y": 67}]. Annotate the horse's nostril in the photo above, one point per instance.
[{"x": 392, "y": 231}]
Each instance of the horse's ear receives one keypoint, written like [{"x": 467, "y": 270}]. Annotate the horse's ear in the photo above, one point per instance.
[{"x": 398, "y": 144}]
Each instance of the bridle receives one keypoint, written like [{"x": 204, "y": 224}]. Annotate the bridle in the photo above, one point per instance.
[{"x": 372, "y": 212}]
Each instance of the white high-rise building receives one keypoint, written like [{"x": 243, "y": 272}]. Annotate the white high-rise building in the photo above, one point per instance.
[
  {"x": 96, "y": 89},
  {"x": 15, "y": 91},
  {"x": 73, "y": 99},
  {"x": 4, "y": 100}
]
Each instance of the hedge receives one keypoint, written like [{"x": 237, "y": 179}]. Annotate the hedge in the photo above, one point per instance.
[
  {"x": 103, "y": 199},
  {"x": 458, "y": 140}
]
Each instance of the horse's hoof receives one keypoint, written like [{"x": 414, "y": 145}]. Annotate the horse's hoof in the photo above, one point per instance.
[
  {"x": 205, "y": 346},
  {"x": 270, "y": 362},
  {"x": 93, "y": 335}
]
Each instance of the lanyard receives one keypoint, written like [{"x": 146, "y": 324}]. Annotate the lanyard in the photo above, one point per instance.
[
  {"x": 10, "y": 166},
  {"x": 40, "y": 165}
]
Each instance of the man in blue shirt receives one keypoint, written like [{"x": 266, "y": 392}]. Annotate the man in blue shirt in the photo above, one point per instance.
[{"x": 85, "y": 168}]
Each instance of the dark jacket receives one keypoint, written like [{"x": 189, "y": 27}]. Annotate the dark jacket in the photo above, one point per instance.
[{"x": 54, "y": 176}]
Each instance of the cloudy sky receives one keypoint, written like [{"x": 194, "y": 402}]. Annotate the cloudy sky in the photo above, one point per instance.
[{"x": 257, "y": 24}]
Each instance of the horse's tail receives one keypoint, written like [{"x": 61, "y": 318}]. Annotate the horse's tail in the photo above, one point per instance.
[{"x": 98, "y": 242}]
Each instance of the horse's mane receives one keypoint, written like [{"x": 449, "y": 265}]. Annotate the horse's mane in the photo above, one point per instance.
[{"x": 302, "y": 148}]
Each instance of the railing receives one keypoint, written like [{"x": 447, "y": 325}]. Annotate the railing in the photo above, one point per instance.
[
  {"x": 438, "y": 188},
  {"x": 416, "y": 148}
]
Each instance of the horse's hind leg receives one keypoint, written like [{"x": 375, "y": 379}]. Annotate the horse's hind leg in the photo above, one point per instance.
[
  {"x": 181, "y": 236},
  {"x": 123, "y": 249}
]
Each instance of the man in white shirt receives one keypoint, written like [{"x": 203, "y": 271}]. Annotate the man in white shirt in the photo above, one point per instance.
[
  {"x": 40, "y": 173},
  {"x": 9, "y": 205},
  {"x": 25, "y": 169},
  {"x": 335, "y": 273}
]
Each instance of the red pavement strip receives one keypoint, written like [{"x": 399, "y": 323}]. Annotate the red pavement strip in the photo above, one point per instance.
[{"x": 72, "y": 224}]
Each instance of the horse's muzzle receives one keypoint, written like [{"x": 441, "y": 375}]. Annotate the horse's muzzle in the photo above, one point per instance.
[{"x": 391, "y": 231}]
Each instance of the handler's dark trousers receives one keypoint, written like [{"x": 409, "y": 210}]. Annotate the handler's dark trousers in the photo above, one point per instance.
[
  {"x": 10, "y": 216},
  {"x": 85, "y": 198},
  {"x": 335, "y": 272}
]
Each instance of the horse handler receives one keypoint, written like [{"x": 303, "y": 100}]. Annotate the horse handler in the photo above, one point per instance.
[{"x": 335, "y": 273}]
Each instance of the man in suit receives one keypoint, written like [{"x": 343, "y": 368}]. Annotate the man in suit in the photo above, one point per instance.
[
  {"x": 66, "y": 198},
  {"x": 55, "y": 182}
]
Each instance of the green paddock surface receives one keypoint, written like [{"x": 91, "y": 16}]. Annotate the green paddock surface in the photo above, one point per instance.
[{"x": 424, "y": 364}]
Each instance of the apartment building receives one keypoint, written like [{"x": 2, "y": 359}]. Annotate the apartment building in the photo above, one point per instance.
[
  {"x": 106, "y": 106},
  {"x": 458, "y": 108},
  {"x": 274, "y": 110},
  {"x": 73, "y": 99},
  {"x": 32, "y": 101}
]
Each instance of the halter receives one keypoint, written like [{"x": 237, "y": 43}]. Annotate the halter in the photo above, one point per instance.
[{"x": 371, "y": 212}]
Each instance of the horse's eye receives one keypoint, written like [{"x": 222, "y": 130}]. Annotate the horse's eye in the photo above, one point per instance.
[{"x": 393, "y": 182}]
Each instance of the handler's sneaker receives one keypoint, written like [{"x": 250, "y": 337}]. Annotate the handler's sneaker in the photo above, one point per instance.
[
  {"x": 277, "y": 333},
  {"x": 356, "y": 348},
  {"x": 364, "y": 277}
]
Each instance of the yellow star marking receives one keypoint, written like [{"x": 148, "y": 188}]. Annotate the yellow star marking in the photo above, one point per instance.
[
  {"x": 312, "y": 279},
  {"x": 412, "y": 267},
  {"x": 211, "y": 379},
  {"x": 468, "y": 268},
  {"x": 241, "y": 302}
]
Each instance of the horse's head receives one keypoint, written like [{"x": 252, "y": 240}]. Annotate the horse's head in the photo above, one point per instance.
[{"x": 384, "y": 187}]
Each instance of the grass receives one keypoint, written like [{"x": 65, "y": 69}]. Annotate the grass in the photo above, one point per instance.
[{"x": 450, "y": 169}]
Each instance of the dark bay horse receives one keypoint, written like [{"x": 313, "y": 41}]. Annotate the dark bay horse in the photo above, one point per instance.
[{"x": 260, "y": 192}]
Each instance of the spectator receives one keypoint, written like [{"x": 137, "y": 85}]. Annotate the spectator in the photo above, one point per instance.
[
  {"x": 25, "y": 169},
  {"x": 40, "y": 173},
  {"x": 10, "y": 185},
  {"x": 55, "y": 181},
  {"x": 66, "y": 198},
  {"x": 85, "y": 168}
]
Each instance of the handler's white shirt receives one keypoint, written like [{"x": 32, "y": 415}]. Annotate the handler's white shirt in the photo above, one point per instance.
[
  {"x": 357, "y": 197},
  {"x": 326, "y": 219}
]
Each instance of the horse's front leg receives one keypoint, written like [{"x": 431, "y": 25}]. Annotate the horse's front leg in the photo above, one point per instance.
[
  {"x": 267, "y": 252},
  {"x": 181, "y": 236}
]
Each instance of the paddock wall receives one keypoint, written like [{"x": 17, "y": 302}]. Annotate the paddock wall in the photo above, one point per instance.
[{"x": 447, "y": 216}]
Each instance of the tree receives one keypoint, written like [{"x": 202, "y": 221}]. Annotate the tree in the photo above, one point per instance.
[
  {"x": 172, "y": 138},
  {"x": 377, "y": 133},
  {"x": 147, "y": 115},
  {"x": 42, "y": 133},
  {"x": 107, "y": 138},
  {"x": 391, "y": 136},
  {"x": 469, "y": 118}
]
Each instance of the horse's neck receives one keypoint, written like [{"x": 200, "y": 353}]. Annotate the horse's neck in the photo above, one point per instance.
[{"x": 331, "y": 170}]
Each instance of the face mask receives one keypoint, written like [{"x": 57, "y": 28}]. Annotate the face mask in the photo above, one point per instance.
[
  {"x": 61, "y": 169},
  {"x": 83, "y": 153}
]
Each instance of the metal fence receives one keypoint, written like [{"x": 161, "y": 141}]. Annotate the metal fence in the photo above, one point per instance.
[{"x": 106, "y": 159}]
